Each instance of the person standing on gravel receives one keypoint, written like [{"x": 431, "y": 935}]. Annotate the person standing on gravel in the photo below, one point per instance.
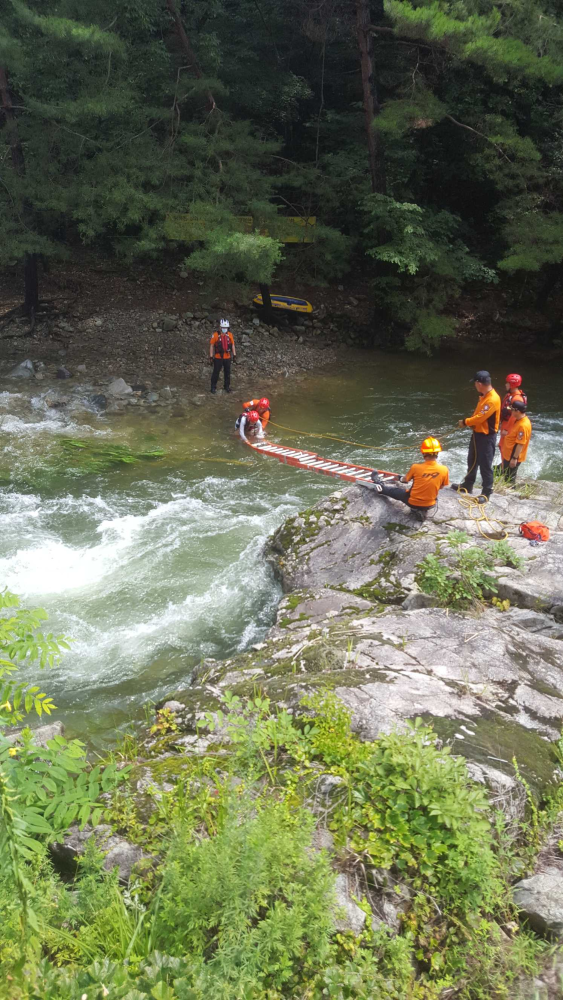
[{"x": 221, "y": 348}]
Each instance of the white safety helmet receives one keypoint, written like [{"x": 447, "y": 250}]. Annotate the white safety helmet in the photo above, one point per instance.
[{"x": 224, "y": 324}]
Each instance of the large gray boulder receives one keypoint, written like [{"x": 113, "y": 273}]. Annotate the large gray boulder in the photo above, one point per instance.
[
  {"x": 353, "y": 620},
  {"x": 490, "y": 689},
  {"x": 540, "y": 898},
  {"x": 354, "y": 538},
  {"x": 41, "y": 735}
]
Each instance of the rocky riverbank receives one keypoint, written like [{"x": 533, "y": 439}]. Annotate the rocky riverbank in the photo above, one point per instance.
[
  {"x": 141, "y": 343},
  {"x": 156, "y": 361},
  {"x": 426, "y": 830},
  {"x": 489, "y": 679},
  {"x": 354, "y": 618}
]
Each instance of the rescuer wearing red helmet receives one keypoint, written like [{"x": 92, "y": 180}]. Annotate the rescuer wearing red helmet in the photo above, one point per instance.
[
  {"x": 427, "y": 480},
  {"x": 249, "y": 423},
  {"x": 262, "y": 407},
  {"x": 514, "y": 393}
]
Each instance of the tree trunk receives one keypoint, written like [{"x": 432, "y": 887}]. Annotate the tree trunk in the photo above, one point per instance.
[
  {"x": 31, "y": 296},
  {"x": 31, "y": 301},
  {"x": 371, "y": 108},
  {"x": 553, "y": 277},
  {"x": 16, "y": 150},
  {"x": 187, "y": 47},
  {"x": 267, "y": 308}
]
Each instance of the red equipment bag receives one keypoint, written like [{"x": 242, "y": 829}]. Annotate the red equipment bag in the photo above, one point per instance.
[{"x": 535, "y": 531}]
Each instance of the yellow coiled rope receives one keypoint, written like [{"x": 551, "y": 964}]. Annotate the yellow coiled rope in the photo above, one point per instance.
[{"x": 476, "y": 512}]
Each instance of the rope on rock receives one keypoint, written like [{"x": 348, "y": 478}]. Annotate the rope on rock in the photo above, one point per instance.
[{"x": 476, "y": 512}]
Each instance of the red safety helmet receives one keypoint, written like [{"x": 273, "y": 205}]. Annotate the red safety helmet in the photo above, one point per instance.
[
  {"x": 264, "y": 403},
  {"x": 253, "y": 417},
  {"x": 514, "y": 380}
]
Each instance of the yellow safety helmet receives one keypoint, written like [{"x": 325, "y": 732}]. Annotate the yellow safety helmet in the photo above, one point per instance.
[{"x": 430, "y": 446}]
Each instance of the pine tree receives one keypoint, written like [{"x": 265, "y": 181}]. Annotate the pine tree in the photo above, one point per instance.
[{"x": 83, "y": 149}]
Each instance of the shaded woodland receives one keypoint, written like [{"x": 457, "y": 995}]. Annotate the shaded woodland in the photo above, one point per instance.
[{"x": 426, "y": 138}]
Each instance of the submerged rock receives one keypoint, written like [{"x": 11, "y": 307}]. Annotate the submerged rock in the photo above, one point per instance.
[
  {"x": 118, "y": 387},
  {"x": 24, "y": 370}
]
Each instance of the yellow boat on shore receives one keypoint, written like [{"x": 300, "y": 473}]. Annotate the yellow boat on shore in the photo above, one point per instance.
[{"x": 288, "y": 302}]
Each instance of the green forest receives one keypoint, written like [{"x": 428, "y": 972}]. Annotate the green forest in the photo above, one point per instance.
[{"x": 425, "y": 138}]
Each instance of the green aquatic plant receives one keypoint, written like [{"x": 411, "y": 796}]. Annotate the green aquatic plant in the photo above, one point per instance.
[{"x": 96, "y": 456}]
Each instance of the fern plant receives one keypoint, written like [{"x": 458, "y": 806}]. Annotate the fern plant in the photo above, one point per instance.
[{"x": 43, "y": 789}]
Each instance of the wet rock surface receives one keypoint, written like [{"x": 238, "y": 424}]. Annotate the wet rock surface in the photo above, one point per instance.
[{"x": 491, "y": 682}]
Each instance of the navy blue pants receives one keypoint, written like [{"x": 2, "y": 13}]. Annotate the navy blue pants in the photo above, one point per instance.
[{"x": 480, "y": 456}]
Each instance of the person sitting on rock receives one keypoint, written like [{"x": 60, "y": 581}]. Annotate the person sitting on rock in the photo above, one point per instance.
[
  {"x": 262, "y": 407},
  {"x": 249, "y": 424},
  {"x": 427, "y": 480}
]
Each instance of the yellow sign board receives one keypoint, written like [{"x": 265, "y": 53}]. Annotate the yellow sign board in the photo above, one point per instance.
[{"x": 287, "y": 229}]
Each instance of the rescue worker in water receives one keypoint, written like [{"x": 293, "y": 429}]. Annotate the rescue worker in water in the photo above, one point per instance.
[
  {"x": 484, "y": 424},
  {"x": 262, "y": 407},
  {"x": 249, "y": 423},
  {"x": 427, "y": 477}
]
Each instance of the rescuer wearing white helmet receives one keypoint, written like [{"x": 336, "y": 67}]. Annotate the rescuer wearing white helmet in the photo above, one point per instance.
[{"x": 221, "y": 349}]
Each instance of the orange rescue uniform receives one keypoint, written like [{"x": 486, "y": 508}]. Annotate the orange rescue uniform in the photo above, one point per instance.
[
  {"x": 216, "y": 343},
  {"x": 252, "y": 404},
  {"x": 428, "y": 479},
  {"x": 486, "y": 417},
  {"x": 519, "y": 432},
  {"x": 514, "y": 396}
]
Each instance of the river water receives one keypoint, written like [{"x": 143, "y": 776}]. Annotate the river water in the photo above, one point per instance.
[{"x": 153, "y": 565}]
